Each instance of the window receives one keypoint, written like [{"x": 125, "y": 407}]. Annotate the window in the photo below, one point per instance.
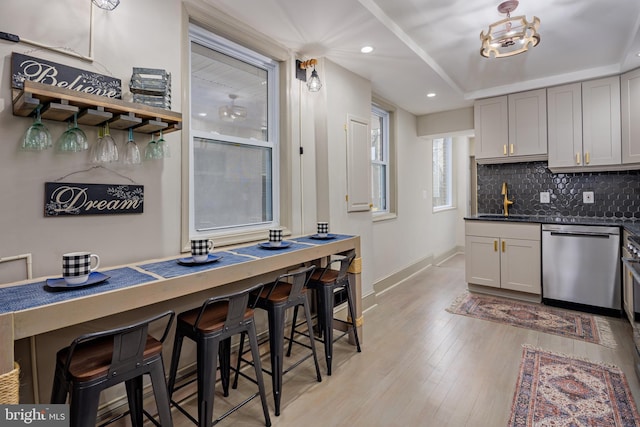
[
  {"x": 379, "y": 160},
  {"x": 233, "y": 137},
  {"x": 442, "y": 174}
]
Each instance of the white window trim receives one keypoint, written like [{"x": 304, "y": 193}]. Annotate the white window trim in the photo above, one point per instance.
[
  {"x": 452, "y": 193},
  {"x": 386, "y": 118},
  {"x": 238, "y": 234}
]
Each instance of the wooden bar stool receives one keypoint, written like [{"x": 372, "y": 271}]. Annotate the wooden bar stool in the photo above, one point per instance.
[
  {"x": 325, "y": 282},
  {"x": 96, "y": 361},
  {"x": 289, "y": 290},
  {"x": 211, "y": 326}
]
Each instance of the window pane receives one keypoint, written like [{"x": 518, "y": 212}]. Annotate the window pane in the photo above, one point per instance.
[
  {"x": 233, "y": 183},
  {"x": 379, "y": 184},
  {"x": 442, "y": 173},
  {"x": 377, "y": 146},
  {"x": 229, "y": 96}
]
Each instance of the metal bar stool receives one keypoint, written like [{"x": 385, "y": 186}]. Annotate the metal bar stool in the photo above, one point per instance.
[
  {"x": 289, "y": 290},
  {"x": 325, "y": 282},
  {"x": 96, "y": 361},
  {"x": 211, "y": 326}
]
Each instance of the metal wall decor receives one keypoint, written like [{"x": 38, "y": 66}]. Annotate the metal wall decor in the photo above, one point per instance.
[{"x": 151, "y": 86}]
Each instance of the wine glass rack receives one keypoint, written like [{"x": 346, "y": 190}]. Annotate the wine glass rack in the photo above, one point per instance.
[{"x": 59, "y": 104}]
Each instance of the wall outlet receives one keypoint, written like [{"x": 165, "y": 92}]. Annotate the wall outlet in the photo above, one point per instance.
[
  {"x": 545, "y": 197},
  {"x": 587, "y": 197}
]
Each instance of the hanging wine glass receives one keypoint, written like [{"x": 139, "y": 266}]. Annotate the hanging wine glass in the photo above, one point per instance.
[
  {"x": 163, "y": 147},
  {"x": 83, "y": 142},
  {"x": 94, "y": 152},
  {"x": 151, "y": 151},
  {"x": 108, "y": 150},
  {"x": 37, "y": 137},
  {"x": 131, "y": 155},
  {"x": 68, "y": 141}
]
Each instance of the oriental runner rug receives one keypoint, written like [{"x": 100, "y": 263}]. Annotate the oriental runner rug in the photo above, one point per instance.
[
  {"x": 542, "y": 318},
  {"x": 558, "y": 390}
]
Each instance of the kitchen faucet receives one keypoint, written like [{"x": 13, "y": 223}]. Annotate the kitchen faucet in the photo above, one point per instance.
[{"x": 506, "y": 202}]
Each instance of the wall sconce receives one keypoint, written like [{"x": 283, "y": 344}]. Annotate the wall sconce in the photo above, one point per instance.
[
  {"x": 106, "y": 4},
  {"x": 313, "y": 84}
]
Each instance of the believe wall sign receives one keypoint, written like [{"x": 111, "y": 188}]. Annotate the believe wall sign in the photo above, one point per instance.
[
  {"x": 63, "y": 199},
  {"x": 25, "y": 67}
]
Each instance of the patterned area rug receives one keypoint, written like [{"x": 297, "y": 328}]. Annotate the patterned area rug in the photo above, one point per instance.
[
  {"x": 566, "y": 323},
  {"x": 556, "y": 390}
]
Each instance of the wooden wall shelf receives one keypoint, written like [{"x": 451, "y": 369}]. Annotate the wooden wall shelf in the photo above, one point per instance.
[{"x": 60, "y": 104}]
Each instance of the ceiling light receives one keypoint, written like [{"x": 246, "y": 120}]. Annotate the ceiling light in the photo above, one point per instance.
[
  {"x": 232, "y": 112},
  {"x": 366, "y": 49},
  {"x": 431, "y": 95},
  {"x": 313, "y": 84},
  {"x": 106, "y": 4},
  {"x": 510, "y": 36},
  {"x": 202, "y": 114}
]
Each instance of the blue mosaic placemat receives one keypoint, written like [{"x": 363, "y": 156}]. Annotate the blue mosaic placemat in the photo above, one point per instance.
[
  {"x": 307, "y": 239},
  {"x": 31, "y": 295},
  {"x": 171, "y": 268},
  {"x": 258, "y": 252}
]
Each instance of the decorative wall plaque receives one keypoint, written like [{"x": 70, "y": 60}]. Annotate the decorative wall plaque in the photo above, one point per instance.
[
  {"x": 25, "y": 67},
  {"x": 63, "y": 199}
]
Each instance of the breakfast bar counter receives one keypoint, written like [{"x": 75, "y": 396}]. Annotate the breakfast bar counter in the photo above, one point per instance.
[{"x": 29, "y": 308}]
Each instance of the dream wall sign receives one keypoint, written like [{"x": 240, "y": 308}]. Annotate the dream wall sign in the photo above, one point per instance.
[
  {"x": 64, "y": 199},
  {"x": 25, "y": 67}
]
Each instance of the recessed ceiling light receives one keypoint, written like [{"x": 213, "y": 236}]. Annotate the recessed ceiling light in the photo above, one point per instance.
[
  {"x": 202, "y": 114},
  {"x": 366, "y": 49},
  {"x": 638, "y": 54},
  {"x": 431, "y": 95}
]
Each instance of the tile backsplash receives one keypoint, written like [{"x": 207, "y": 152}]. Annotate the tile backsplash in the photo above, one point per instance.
[{"x": 616, "y": 194}]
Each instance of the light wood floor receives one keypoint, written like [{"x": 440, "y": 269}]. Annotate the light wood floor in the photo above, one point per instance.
[{"x": 420, "y": 366}]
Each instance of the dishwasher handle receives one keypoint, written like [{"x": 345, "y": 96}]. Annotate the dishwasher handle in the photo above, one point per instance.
[{"x": 579, "y": 234}]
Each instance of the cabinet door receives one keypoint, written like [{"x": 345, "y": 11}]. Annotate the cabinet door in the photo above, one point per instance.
[
  {"x": 491, "y": 124},
  {"x": 528, "y": 123},
  {"x": 601, "y": 133},
  {"x": 564, "y": 104},
  {"x": 630, "y": 103},
  {"x": 482, "y": 261},
  {"x": 520, "y": 265}
]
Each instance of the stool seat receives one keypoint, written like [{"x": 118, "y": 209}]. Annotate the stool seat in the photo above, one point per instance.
[
  {"x": 94, "y": 362},
  {"x": 327, "y": 277},
  {"x": 212, "y": 319}
]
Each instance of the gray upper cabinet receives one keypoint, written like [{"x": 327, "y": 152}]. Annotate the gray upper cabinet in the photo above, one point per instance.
[
  {"x": 511, "y": 128},
  {"x": 584, "y": 126},
  {"x": 630, "y": 104}
]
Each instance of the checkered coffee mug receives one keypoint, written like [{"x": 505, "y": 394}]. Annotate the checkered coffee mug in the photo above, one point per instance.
[
  {"x": 76, "y": 266},
  {"x": 200, "y": 249},
  {"x": 275, "y": 236},
  {"x": 323, "y": 228}
]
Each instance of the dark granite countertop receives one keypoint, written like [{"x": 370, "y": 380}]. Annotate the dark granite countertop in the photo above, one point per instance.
[{"x": 633, "y": 226}]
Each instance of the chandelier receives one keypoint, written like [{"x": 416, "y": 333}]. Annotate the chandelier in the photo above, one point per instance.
[
  {"x": 106, "y": 4},
  {"x": 232, "y": 112},
  {"x": 510, "y": 36}
]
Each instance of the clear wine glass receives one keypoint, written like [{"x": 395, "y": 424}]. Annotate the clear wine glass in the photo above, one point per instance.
[
  {"x": 37, "y": 137},
  {"x": 94, "y": 152},
  {"x": 131, "y": 155},
  {"x": 83, "y": 141},
  {"x": 68, "y": 141},
  {"x": 163, "y": 147},
  {"x": 108, "y": 150},
  {"x": 151, "y": 150}
]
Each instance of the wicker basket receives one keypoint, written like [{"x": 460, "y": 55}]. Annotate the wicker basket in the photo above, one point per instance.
[{"x": 10, "y": 386}]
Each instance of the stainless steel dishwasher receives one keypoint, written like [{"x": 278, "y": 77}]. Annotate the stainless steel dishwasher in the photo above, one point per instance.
[{"x": 581, "y": 266}]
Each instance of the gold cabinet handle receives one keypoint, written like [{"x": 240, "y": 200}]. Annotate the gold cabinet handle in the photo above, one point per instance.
[
  {"x": 578, "y": 158},
  {"x": 586, "y": 158},
  {"x": 504, "y": 149},
  {"x": 495, "y": 246},
  {"x": 510, "y": 148},
  {"x": 504, "y": 246}
]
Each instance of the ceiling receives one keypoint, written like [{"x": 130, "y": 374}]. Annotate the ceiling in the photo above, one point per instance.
[{"x": 426, "y": 46}]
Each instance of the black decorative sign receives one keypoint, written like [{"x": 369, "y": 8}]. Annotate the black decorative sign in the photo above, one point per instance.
[
  {"x": 25, "y": 67},
  {"x": 63, "y": 199}
]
